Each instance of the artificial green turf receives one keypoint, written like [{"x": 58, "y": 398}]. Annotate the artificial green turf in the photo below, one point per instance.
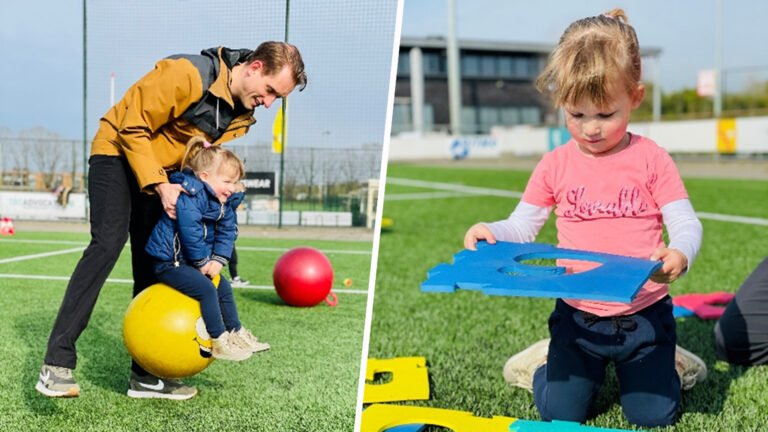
[
  {"x": 307, "y": 381},
  {"x": 466, "y": 336}
]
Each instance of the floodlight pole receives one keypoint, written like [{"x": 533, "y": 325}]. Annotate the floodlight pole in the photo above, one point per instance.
[
  {"x": 417, "y": 89},
  {"x": 454, "y": 73},
  {"x": 85, "y": 106},
  {"x": 282, "y": 132},
  {"x": 718, "y": 100},
  {"x": 656, "y": 88}
]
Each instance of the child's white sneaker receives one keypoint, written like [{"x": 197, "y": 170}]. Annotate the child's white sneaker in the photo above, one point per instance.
[
  {"x": 226, "y": 347},
  {"x": 248, "y": 341},
  {"x": 519, "y": 369},
  {"x": 690, "y": 368}
]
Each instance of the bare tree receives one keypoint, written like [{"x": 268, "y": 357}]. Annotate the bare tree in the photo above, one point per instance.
[
  {"x": 44, "y": 149},
  {"x": 5, "y": 137},
  {"x": 305, "y": 168}
]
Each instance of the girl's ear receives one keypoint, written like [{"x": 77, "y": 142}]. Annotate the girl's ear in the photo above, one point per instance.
[
  {"x": 637, "y": 96},
  {"x": 203, "y": 175}
]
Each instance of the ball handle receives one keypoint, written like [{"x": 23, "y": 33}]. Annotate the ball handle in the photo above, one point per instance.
[{"x": 334, "y": 301}]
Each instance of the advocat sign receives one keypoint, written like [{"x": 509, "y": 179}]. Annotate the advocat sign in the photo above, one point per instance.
[
  {"x": 41, "y": 206},
  {"x": 480, "y": 146}
]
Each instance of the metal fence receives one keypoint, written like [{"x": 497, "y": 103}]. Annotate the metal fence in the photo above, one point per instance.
[
  {"x": 328, "y": 179},
  {"x": 40, "y": 163}
]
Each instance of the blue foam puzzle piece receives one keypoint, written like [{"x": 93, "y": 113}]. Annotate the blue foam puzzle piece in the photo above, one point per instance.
[
  {"x": 554, "y": 425},
  {"x": 679, "y": 312},
  {"x": 488, "y": 269}
]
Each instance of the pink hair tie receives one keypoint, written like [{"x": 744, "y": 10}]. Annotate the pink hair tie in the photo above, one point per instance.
[{"x": 206, "y": 144}]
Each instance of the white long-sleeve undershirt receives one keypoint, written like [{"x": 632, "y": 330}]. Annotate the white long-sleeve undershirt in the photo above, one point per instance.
[{"x": 683, "y": 227}]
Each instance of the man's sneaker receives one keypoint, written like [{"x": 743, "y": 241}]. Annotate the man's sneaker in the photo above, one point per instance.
[
  {"x": 152, "y": 387},
  {"x": 247, "y": 340},
  {"x": 56, "y": 381},
  {"x": 227, "y": 347},
  {"x": 690, "y": 368},
  {"x": 519, "y": 369},
  {"x": 237, "y": 282}
]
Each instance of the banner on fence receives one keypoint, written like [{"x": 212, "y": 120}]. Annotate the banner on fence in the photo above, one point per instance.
[
  {"x": 41, "y": 206},
  {"x": 260, "y": 183}
]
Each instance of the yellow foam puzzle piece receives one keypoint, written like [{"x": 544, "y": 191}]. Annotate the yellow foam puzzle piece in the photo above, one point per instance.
[
  {"x": 380, "y": 417},
  {"x": 409, "y": 380}
]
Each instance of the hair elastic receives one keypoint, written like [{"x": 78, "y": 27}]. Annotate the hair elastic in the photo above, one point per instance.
[{"x": 206, "y": 144}]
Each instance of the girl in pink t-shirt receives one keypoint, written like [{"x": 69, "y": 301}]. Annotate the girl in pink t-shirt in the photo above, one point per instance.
[{"x": 611, "y": 191}]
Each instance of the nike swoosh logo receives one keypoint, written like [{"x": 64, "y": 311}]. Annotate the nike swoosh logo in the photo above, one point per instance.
[
  {"x": 159, "y": 386},
  {"x": 44, "y": 378}
]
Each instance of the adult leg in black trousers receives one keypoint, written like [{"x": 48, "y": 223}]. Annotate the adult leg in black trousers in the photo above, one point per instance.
[
  {"x": 109, "y": 189},
  {"x": 741, "y": 334},
  {"x": 117, "y": 209}
]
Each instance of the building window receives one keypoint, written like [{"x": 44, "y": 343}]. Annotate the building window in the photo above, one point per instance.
[
  {"x": 530, "y": 115},
  {"x": 402, "y": 116},
  {"x": 510, "y": 115},
  {"x": 404, "y": 64},
  {"x": 489, "y": 116},
  {"x": 488, "y": 66},
  {"x": 470, "y": 65},
  {"x": 506, "y": 67},
  {"x": 434, "y": 64}
]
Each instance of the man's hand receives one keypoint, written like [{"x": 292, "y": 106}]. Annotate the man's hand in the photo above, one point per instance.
[
  {"x": 675, "y": 262},
  {"x": 169, "y": 194},
  {"x": 478, "y": 232}
]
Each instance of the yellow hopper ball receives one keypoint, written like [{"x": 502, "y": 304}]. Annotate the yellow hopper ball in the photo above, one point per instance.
[{"x": 164, "y": 332}]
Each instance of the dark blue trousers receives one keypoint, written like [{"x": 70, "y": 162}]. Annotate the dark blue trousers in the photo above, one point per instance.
[
  {"x": 641, "y": 345},
  {"x": 217, "y": 305}
]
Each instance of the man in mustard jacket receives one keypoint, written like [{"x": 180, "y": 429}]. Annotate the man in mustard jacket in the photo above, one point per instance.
[{"x": 140, "y": 140}]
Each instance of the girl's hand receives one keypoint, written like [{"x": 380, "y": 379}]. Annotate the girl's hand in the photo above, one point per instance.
[
  {"x": 204, "y": 269},
  {"x": 675, "y": 263},
  {"x": 478, "y": 232},
  {"x": 214, "y": 267}
]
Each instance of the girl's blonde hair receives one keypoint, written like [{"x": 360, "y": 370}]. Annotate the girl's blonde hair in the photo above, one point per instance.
[
  {"x": 594, "y": 55},
  {"x": 202, "y": 156}
]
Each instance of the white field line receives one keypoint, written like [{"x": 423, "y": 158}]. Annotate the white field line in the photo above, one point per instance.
[
  {"x": 130, "y": 281},
  {"x": 248, "y": 248},
  {"x": 330, "y": 251},
  {"x": 471, "y": 190},
  {"x": 453, "y": 187},
  {"x": 61, "y": 242},
  {"x": 41, "y": 255},
  {"x": 731, "y": 218},
  {"x": 425, "y": 195}
]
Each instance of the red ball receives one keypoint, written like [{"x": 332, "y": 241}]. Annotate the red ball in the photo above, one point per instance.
[{"x": 303, "y": 277}]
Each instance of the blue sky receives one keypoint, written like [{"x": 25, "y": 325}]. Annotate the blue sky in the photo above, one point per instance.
[
  {"x": 683, "y": 29},
  {"x": 41, "y": 45},
  {"x": 347, "y": 49}
]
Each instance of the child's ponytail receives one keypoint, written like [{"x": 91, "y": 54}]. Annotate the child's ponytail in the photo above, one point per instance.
[
  {"x": 203, "y": 156},
  {"x": 195, "y": 145}
]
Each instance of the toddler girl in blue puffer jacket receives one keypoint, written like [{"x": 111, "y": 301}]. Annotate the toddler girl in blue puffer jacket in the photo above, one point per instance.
[{"x": 191, "y": 250}]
